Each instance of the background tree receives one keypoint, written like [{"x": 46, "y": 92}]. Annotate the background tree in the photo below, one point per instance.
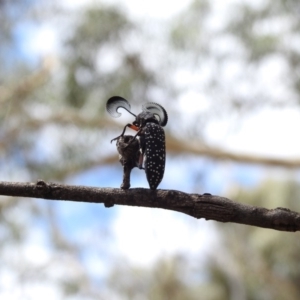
[{"x": 213, "y": 68}]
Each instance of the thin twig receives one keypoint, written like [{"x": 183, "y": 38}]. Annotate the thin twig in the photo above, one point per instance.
[{"x": 205, "y": 206}]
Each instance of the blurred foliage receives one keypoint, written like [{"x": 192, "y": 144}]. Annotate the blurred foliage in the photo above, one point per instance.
[
  {"x": 243, "y": 39},
  {"x": 54, "y": 126},
  {"x": 105, "y": 53},
  {"x": 247, "y": 263},
  {"x": 268, "y": 260},
  {"x": 169, "y": 278}
]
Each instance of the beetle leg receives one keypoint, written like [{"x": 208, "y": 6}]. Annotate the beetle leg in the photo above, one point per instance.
[
  {"x": 130, "y": 126},
  {"x": 116, "y": 138},
  {"x": 141, "y": 160},
  {"x": 134, "y": 136}
]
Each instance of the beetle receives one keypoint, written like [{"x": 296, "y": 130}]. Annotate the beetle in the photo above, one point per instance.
[
  {"x": 150, "y": 134},
  {"x": 128, "y": 149}
]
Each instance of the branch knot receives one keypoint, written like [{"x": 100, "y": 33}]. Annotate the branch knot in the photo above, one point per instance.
[{"x": 42, "y": 188}]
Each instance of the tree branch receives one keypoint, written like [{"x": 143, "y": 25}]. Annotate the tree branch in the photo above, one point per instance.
[
  {"x": 199, "y": 148},
  {"x": 28, "y": 84},
  {"x": 198, "y": 206},
  {"x": 173, "y": 145}
]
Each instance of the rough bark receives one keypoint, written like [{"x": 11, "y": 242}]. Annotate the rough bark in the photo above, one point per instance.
[{"x": 205, "y": 206}]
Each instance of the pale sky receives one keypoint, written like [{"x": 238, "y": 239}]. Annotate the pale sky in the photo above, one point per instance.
[
  {"x": 280, "y": 126},
  {"x": 142, "y": 235}
]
